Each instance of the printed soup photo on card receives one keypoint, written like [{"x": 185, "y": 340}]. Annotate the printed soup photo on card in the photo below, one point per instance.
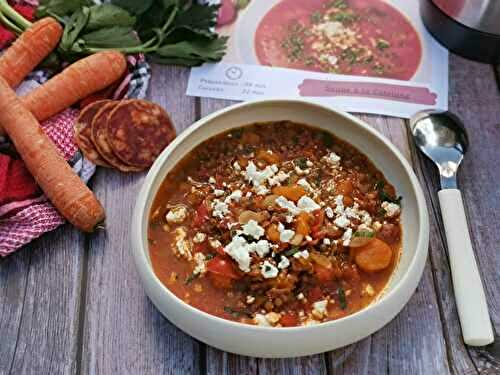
[{"x": 371, "y": 56}]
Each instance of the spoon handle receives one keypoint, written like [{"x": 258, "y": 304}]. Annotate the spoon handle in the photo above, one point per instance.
[{"x": 469, "y": 293}]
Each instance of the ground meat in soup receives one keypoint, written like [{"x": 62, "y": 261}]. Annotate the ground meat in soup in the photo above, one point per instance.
[{"x": 275, "y": 224}]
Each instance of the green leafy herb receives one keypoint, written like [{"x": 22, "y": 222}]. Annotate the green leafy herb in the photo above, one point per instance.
[
  {"x": 108, "y": 15},
  {"x": 342, "y": 298},
  {"x": 364, "y": 233},
  {"x": 191, "y": 278},
  {"x": 327, "y": 139},
  {"x": 291, "y": 251},
  {"x": 133, "y": 6},
  {"x": 316, "y": 17},
  {"x": 382, "y": 44},
  {"x": 344, "y": 17},
  {"x": 209, "y": 256},
  {"x": 301, "y": 163},
  {"x": 179, "y": 32},
  {"x": 237, "y": 313},
  {"x": 340, "y": 4},
  {"x": 383, "y": 196}
]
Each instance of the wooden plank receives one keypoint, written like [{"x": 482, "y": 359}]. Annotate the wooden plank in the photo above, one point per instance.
[
  {"x": 219, "y": 362},
  {"x": 40, "y": 299},
  {"x": 413, "y": 343},
  {"x": 475, "y": 98},
  {"x": 123, "y": 332}
]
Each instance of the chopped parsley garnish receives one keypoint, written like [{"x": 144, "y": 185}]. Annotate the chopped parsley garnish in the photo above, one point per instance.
[
  {"x": 345, "y": 17},
  {"x": 293, "y": 44},
  {"x": 316, "y": 16},
  {"x": 384, "y": 197},
  {"x": 191, "y": 277},
  {"x": 237, "y": 313},
  {"x": 382, "y": 44},
  {"x": 301, "y": 163},
  {"x": 236, "y": 133},
  {"x": 327, "y": 139},
  {"x": 342, "y": 298},
  {"x": 209, "y": 256},
  {"x": 364, "y": 233},
  {"x": 291, "y": 251}
]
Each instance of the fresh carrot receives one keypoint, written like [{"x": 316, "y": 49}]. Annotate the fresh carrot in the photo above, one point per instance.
[
  {"x": 61, "y": 185},
  {"x": 29, "y": 50},
  {"x": 79, "y": 80}
]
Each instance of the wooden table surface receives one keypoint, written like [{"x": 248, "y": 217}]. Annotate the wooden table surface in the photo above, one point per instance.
[{"x": 72, "y": 303}]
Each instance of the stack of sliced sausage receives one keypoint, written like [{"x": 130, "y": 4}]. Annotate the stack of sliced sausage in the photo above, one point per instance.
[{"x": 127, "y": 135}]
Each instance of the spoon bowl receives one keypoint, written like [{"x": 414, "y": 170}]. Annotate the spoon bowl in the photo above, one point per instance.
[{"x": 442, "y": 137}]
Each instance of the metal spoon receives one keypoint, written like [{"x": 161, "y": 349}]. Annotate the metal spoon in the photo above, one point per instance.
[{"x": 441, "y": 136}]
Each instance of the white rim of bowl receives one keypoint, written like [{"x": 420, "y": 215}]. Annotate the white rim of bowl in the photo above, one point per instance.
[{"x": 139, "y": 215}]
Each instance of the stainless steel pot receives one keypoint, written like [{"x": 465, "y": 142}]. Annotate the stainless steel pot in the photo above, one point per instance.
[{"x": 470, "y": 28}]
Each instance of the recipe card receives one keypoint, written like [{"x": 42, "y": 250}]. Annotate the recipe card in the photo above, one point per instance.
[{"x": 369, "y": 56}]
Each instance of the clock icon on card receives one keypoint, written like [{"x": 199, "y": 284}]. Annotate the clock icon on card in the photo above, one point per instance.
[{"x": 234, "y": 73}]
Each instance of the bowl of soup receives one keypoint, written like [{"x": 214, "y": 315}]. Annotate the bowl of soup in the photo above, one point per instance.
[
  {"x": 280, "y": 228},
  {"x": 353, "y": 37}
]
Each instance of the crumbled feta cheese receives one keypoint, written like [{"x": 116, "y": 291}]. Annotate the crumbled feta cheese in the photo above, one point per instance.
[
  {"x": 234, "y": 196},
  {"x": 347, "y": 237},
  {"x": 307, "y": 204},
  {"x": 303, "y": 182},
  {"x": 273, "y": 317},
  {"x": 239, "y": 251},
  {"x": 218, "y": 192},
  {"x": 366, "y": 218},
  {"x": 391, "y": 209},
  {"x": 289, "y": 218},
  {"x": 342, "y": 221},
  {"x": 236, "y": 166},
  {"x": 331, "y": 28},
  {"x": 253, "y": 229},
  {"x": 332, "y": 159},
  {"x": 301, "y": 171},
  {"x": 182, "y": 246},
  {"x": 300, "y": 296},
  {"x": 214, "y": 244},
  {"x": 261, "y": 190},
  {"x": 250, "y": 299},
  {"x": 301, "y": 254},
  {"x": 309, "y": 238},
  {"x": 260, "y": 247},
  {"x": 219, "y": 209},
  {"x": 319, "y": 308},
  {"x": 339, "y": 204},
  {"x": 248, "y": 194},
  {"x": 177, "y": 215},
  {"x": 326, "y": 241},
  {"x": 278, "y": 178},
  {"x": 377, "y": 225},
  {"x": 329, "y": 212},
  {"x": 284, "y": 263},
  {"x": 285, "y": 234},
  {"x": 261, "y": 320},
  {"x": 289, "y": 205},
  {"x": 256, "y": 177},
  {"x": 200, "y": 267},
  {"x": 199, "y": 237},
  {"x": 268, "y": 270},
  {"x": 309, "y": 163},
  {"x": 211, "y": 180}
]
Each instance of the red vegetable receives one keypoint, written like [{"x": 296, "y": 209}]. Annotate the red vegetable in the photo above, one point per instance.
[
  {"x": 222, "y": 266},
  {"x": 289, "y": 320},
  {"x": 201, "y": 215},
  {"x": 324, "y": 274}
]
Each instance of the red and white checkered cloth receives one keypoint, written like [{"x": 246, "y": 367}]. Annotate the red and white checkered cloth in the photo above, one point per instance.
[{"x": 24, "y": 218}]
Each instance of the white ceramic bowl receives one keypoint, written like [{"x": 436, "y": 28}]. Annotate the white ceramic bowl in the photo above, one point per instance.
[{"x": 297, "y": 341}]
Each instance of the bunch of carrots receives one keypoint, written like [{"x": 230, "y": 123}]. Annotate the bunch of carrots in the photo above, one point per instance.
[{"x": 20, "y": 116}]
